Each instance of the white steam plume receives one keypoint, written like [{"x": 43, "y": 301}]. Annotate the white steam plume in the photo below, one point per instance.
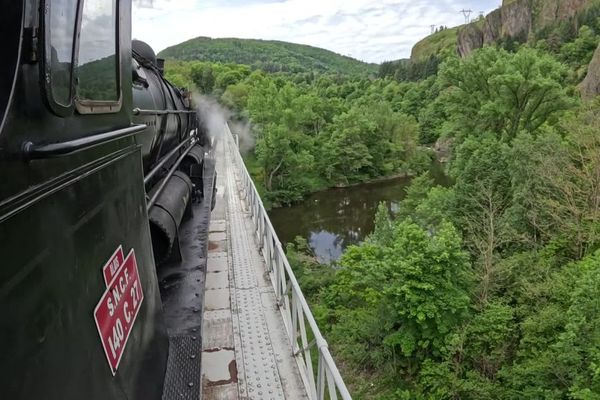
[
  {"x": 244, "y": 131},
  {"x": 214, "y": 116}
]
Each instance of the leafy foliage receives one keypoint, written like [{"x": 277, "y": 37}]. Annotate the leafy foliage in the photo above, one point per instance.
[
  {"x": 409, "y": 70},
  {"x": 415, "y": 284},
  {"x": 267, "y": 55},
  {"x": 315, "y": 131},
  {"x": 502, "y": 93},
  {"x": 465, "y": 296},
  {"x": 487, "y": 289}
]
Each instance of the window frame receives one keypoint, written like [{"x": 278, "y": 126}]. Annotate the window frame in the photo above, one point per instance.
[
  {"x": 89, "y": 106},
  {"x": 55, "y": 106},
  {"x": 81, "y": 106}
]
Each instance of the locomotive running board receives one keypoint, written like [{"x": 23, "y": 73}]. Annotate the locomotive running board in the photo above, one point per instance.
[{"x": 182, "y": 292}]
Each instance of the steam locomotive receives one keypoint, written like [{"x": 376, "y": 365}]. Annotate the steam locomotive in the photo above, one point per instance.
[{"x": 106, "y": 187}]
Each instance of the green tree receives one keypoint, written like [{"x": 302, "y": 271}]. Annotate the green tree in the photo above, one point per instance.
[
  {"x": 406, "y": 293},
  {"x": 349, "y": 154},
  {"x": 203, "y": 76},
  {"x": 494, "y": 91},
  {"x": 571, "y": 194},
  {"x": 483, "y": 197},
  {"x": 580, "y": 51}
]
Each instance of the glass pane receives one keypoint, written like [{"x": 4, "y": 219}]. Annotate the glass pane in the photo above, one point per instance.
[
  {"x": 62, "y": 27},
  {"x": 97, "y": 64}
]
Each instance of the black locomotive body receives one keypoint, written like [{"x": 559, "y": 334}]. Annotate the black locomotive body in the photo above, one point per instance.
[{"x": 101, "y": 160}]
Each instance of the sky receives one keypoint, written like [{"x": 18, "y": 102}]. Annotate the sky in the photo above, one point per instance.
[{"x": 369, "y": 30}]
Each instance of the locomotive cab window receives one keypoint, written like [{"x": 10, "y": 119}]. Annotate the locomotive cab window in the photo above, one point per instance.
[
  {"x": 97, "y": 76},
  {"x": 60, "y": 30}
]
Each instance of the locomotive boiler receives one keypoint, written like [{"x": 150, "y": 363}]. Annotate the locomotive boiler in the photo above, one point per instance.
[
  {"x": 102, "y": 161},
  {"x": 167, "y": 113}
]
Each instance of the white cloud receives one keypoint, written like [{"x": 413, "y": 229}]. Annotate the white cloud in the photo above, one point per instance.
[{"x": 369, "y": 30}]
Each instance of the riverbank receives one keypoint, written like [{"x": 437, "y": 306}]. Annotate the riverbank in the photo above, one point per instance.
[
  {"x": 322, "y": 186},
  {"x": 330, "y": 220}
]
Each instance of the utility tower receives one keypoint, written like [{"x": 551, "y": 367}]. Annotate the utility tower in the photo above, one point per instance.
[
  {"x": 467, "y": 14},
  {"x": 432, "y": 28}
]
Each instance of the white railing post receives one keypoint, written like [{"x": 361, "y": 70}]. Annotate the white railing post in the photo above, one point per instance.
[
  {"x": 321, "y": 378},
  {"x": 297, "y": 317},
  {"x": 294, "y": 332}
]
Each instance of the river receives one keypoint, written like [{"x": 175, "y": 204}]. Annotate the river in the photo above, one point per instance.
[{"x": 333, "y": 219}]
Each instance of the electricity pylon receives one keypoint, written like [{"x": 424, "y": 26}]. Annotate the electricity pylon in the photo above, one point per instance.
[{"x": 467, "y": 14}]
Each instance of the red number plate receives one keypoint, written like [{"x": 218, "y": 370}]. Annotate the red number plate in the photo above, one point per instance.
[
  {"x": 117, "y": 310},
  {"x": 112, "y": 266}
]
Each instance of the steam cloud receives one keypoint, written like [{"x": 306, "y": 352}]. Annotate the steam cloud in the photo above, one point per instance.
[
  {"x": 244, "y": 131},
  {"x": 214, "y": 116}
]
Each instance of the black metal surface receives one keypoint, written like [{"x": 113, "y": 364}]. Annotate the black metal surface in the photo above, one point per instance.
[
  {"x": 167, "y": 214},
  {"x": 182, "y": 292},
  {"x": 193, "y": 166},
  {"x": 196, "y": 156},
  {"x": 37, "y": 151},
  {"x": 183, "y": 377},
  {"x": 137, "y": 111},
  {"x": 158, "y": 190},
  {"x": 155, "y": 101},
  {"x": 165, "y": 159}
]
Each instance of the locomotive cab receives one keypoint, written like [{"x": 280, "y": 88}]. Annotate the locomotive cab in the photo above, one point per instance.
[{"x": 101, "y": 161}]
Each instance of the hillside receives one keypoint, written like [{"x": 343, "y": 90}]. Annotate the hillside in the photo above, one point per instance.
[
  {"x": 515, "y": 20},
  {"x": 434, "y": 44},
  {"x": 268, "y": 55}
]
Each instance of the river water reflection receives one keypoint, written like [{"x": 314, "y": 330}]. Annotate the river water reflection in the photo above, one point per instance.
[{"x": 332, "y": 220}]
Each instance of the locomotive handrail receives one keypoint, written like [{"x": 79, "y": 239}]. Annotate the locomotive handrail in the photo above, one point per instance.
[
  {"x": 138, "y": 111},
  {"x": 289, "y": 297},
  {"x": 166, "y": 179},
  {"x": 38, "y": 151},
  {"x": 166, "y": 158}
]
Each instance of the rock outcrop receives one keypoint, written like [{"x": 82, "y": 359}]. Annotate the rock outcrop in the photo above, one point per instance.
[
  {"x": 469, "y": 39},
  {"x": 443, "y": 149},
  {"x": 516, "y": 20},
  {"x": 492, "y": 28},
  {"x": 590, "y": 87}
]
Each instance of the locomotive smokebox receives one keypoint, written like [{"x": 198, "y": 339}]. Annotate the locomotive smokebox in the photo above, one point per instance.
[{"x": 167, "y": 213}]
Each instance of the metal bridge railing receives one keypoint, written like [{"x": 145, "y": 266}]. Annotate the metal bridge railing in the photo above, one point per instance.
[{"x": 301, "y": 327}]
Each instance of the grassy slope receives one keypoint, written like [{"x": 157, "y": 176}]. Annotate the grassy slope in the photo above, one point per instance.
[
  {"x": 268, "y": 55},
  {"x": 434, "y": 44}
]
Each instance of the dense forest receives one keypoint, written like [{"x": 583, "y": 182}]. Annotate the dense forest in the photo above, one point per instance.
[
  {"x": 316, "y": 131},
  {"x": 268, "y": 55},
  {"x": 487, "y": 289}
]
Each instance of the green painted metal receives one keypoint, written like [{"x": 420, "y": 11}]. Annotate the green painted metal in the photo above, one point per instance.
[{"x": 61, "y": 218}]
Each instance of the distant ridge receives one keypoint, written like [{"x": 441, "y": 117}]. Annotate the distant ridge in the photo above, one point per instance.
[{"x": 268, "y": 55}]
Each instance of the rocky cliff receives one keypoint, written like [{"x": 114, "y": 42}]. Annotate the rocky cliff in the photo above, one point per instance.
[
  {"x": 516, "y": 20},
  {"x": 590, "y": 87}
]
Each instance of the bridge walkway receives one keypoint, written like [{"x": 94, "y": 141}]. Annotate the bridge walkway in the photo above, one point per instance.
[
  {"x": 259, "y": 339},
  {"x": 246, "y": 353}
]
